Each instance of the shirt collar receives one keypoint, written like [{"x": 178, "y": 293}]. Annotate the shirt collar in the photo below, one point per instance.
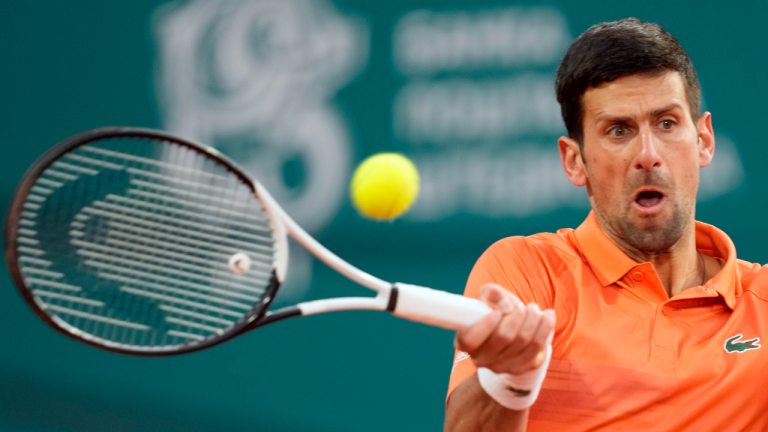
[{"x": 611, "y": 264}]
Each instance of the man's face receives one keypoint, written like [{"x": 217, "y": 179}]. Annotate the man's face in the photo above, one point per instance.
[{"x": 641, "y": 158}]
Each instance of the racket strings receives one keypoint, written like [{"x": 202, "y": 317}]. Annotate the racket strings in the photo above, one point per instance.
[{"x": 127, "y": 241}]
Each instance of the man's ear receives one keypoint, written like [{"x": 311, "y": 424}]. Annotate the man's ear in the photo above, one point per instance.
[
  {"x": 706, "y": 139},
  {"x": 573, "y": 162}
]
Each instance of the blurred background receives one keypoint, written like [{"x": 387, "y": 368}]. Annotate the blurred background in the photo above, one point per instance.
[{"x": 298, "y": 92}]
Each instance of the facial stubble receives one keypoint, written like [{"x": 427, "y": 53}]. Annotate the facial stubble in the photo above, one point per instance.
[{"x": 651, "y": 235}]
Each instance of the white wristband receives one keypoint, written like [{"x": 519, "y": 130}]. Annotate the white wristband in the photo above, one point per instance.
[{"x": 515, "y": 392}]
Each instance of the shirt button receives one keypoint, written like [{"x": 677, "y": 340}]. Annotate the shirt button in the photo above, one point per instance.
[
  {"x": 665, "y": 312},
  {"x": 638, "y": 276}
]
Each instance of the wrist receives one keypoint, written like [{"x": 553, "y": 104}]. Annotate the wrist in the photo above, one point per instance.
[{"x": 515, "y": 392}]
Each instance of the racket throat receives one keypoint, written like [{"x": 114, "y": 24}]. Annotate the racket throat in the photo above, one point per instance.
[{"x": 275, "y": 316}]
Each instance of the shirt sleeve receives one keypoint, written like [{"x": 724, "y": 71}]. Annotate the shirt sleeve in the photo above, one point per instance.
[{"x": 516, "y": 264}]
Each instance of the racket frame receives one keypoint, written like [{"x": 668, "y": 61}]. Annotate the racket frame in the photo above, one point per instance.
[{"x": 13, "y": 217}]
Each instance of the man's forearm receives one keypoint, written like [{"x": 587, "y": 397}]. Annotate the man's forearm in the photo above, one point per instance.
[{"x": 470, "y": 409}]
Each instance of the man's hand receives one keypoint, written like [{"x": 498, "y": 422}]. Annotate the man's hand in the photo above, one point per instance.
[{"x": 511, "y": 339}]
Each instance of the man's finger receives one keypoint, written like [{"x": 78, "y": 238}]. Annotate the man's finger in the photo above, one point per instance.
[
  {"x": 502, "y": 337},
  {"x": 527, "y": 330},
  {"x": 497, "y": 297},
  {"x": 474, "y": 336},
  {"x": 533, "y": 355}
]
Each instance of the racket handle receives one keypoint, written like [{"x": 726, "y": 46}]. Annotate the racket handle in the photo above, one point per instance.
[{"x": 437, "y": 308}]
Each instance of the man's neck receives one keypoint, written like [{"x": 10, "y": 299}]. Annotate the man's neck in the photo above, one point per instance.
[{"x": 680, "y": 267}]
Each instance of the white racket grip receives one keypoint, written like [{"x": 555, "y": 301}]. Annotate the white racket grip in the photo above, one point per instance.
[{"x": 437, "y": 308}]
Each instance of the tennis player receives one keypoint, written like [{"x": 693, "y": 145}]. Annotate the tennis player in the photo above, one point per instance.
[{"x": 642, "y": 318}]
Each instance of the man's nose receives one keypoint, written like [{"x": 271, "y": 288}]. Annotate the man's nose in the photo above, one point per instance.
[{"x": 648, "y": 158}]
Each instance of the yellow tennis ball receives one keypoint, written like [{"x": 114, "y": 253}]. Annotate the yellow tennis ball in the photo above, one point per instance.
[{"x": 384, "y": 186}]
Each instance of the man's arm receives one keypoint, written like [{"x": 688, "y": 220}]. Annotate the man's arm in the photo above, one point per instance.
[
  {"x": 513, "y": 339},
  {"x": 471, "y": 409}
]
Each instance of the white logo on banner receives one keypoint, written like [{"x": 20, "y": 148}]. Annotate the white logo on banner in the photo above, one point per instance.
[
  {"x": 480, "y": 115},
  {"x": 256, "y": 79}
]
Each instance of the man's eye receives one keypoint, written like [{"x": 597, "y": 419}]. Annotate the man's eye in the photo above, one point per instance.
[
  {"x": 618, "y": 131},
  {"x": 667, "y": 124}
]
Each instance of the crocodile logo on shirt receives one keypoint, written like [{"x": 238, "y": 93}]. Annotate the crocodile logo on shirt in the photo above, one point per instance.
[{"x": 733, "y": 344}]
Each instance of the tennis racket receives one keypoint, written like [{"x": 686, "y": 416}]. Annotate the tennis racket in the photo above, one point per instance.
[{"x": 140, "y": 242}]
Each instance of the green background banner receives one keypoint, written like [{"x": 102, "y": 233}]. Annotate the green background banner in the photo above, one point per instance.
[{"x": 298, "y": 92}]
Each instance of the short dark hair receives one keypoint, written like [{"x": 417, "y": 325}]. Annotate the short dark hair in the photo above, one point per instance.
[{"x": 610, "y": 50}]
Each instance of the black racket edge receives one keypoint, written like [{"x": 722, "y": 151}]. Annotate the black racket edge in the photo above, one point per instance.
[{"x": 257, "y": 317}]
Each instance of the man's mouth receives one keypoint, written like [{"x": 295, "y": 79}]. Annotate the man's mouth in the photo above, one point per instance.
[{"x": 649, "y": 199}]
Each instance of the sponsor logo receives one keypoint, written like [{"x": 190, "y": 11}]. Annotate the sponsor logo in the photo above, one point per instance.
[
  {"x": 257, "y": 79},
  {"x": 734, "y": 345},
  {"x": 462, "y": 355}
]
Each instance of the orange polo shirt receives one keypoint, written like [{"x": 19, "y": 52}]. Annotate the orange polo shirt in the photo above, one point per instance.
[{"x": 626, "y": 357}]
